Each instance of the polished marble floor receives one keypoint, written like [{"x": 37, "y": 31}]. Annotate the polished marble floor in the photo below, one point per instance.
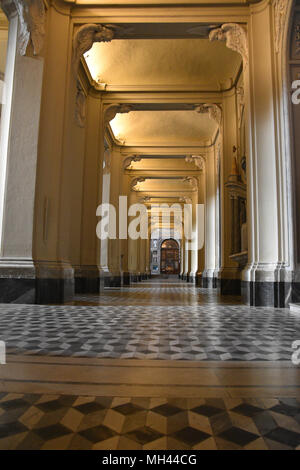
[
  {"x": 158, "y": 365},
  {"x": 155, "y": 320},
  {"x": 35, "y": 421}
]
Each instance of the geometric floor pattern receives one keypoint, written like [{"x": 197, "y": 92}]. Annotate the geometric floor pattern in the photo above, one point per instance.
[
  {"x": 190, "y": 332},
  {"x": 33, "y": 421}
]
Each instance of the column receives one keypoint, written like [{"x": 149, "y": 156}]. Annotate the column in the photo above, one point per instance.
[
  {"x": 267, "y": 277},
  {"x": 18, "y": 168},
  {"x": 88, "y": 276},
  {"x": 201, "y": 250},
  {"x": 210, "y": 220},
  {"x": 114, "y": 253}
]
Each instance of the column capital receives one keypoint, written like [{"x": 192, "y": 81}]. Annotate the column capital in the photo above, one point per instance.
[
  {"x": 84, "y": 38},
  {"x": 129, "y": 160},
  {"x": 198, "y": 160},
  {"x": 32, "y": 18},
  {"x": 214, "y": 111},
  {"x": 114, "y": 109},
  {"x": 235, "y": 37},
  {"x": 135, "y": 183}
]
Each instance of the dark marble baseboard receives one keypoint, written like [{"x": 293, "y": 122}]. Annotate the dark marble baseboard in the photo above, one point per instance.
[
  {"x": 126, "y": 279},
  {"x": 209, "y": 282},
  {"x": 230, "y": 286},
  {"x": 17, "y": 290},
  {"x": 52, "y": 291},
  {"x": 87, "y": 285},
  {"x": 113, "y": 281},
  {"x": 270, "y": 294}
]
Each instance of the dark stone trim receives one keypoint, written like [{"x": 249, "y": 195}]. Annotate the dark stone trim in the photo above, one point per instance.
[
  {"x": 269, "y": 294},
  {"x": 113, "y": 281},
  {"x": 52, "y": 291},
  {"x": 18, "y": 290},
  {"x": 126, "y": 279},
  {"x": 230, "y": 286},
  {"x": 209, "y": 282},
  {"x": 87, "y": 285}
]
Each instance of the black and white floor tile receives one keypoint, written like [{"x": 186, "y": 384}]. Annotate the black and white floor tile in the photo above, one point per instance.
[
  {"x": 202, "y": 333},
  {"x": 32, "y": 421}
]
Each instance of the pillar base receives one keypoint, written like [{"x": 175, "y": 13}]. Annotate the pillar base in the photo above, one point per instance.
[
  {"x": 17, "y": 280},
  {"x": 229, "y": 281},
  {"x": 113, "y": 280},
  {"x": 270, "y": 294},
  {"x": 134, "y": 277},
  {"x": 45, "y": 282},
  {"x": 54, "y": 282},
  {"x": 87, "y": 280},
  {"x": 126, "y": 279}
]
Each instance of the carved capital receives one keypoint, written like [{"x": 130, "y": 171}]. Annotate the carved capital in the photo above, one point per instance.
[
  {"x": 214, "y": 112},
  {"x": 235, "y": 37},
  {"x": 32, "y": 18},
  {"x": 84, "y": 39},
  {"x": 198, "y": 160},
  {"x": 114, "y": 109},
  {"x": 145, "y": 199},
  {"x": 280, "y": 16},
  {"x": 192, "y": 181},
  {"x": 80, "y": 106},
  {"x": 185, "y": 200},
  {"x": 135, "y": 184},
  {"x": 129, "y": 160}
]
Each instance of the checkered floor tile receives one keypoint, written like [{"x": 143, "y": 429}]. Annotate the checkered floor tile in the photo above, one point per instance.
[
  {"x": 208, "y": 332},
  {"x": 35, "y": 421}
]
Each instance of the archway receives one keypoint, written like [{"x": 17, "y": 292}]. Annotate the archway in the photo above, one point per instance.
[{"x": 169, "y": 257}]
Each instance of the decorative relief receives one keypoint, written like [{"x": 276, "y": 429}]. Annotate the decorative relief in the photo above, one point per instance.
[
  {"x": 214, "y": 112},
  {"x": 280, "y": 15},
  {"x": 235, "y": 37},
  {"x": 198, "y": 160},
  {"x": 185, "y": 200},
  {"x": 114, "y": 109},
  {"x": 84, "y": 39},
  {"x": 136, "y": 183},
  {"x": 80, "y": 106},
  {"x": 192, "y": 181},
  {"x": 32, "y": 18},
  {"x": 129, "y": 160},
  {"x": 145, "y": 199}
]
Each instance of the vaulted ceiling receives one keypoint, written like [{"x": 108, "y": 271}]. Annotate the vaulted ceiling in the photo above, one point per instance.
[{"x": 184, "y": 61}]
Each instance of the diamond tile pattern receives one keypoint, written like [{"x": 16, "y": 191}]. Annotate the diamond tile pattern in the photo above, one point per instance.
[
  {"x": 210, "y": 332},
  {"x": 34, "y": 421}
]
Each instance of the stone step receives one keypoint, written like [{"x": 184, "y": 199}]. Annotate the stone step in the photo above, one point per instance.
[{"x": 295, "y": 308}]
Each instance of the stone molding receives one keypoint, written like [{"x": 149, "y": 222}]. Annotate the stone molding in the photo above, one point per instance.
[
  {"x": 214, "y": 112},
  {"x": 129, "y": 160},
  {"x": 280, "y": 16},
  {"x": 134, "y": 185},
  {"x": 32, "y": 18},
  {"x": 198, "y": 160},
  {"x": 84, "y": 39},
  {"x": 235, "y": 37},
  {"x": 114, "y": 109}
]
